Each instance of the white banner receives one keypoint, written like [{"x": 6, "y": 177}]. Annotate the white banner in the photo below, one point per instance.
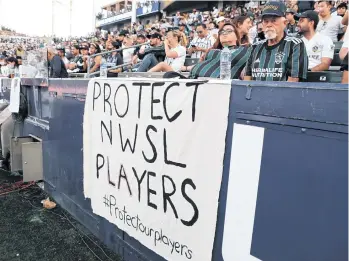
[
  {"x": 153, "y": 160},
  {"x": 15, "y": 95}
]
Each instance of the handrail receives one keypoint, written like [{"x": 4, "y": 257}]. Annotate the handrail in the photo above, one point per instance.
[
  {"x": 111, "y": 68},
  {"x": 107, "y": 52}
]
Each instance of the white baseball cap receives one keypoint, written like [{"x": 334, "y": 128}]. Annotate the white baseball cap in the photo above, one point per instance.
[{"x": 220, "y": 19}]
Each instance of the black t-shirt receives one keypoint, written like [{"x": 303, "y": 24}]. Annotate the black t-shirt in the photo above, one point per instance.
[
  {"x": 114, "y": 60},
  {"x": 57, "y": 68},
  {"x": 286, "y": 59},
  {"x": 79, "y": 63}
]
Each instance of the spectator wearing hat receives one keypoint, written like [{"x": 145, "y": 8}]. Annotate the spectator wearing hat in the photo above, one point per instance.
[
  {"x": 329, "y": 25},
  {"x": 220, "y": 21},
  {"x": 320, "y": 48},
  {"x": 291, "y": 28},
  {"x": 279, "y": 57},
  {"x": 121, "y": 37},
  {"x": 151, "y": 54}
]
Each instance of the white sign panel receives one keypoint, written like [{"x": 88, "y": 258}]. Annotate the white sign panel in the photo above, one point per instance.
[
  {"x": 15, "y": 95},
  {"x": 153, "y": 160},
  {"x": 245, "y": 163}
]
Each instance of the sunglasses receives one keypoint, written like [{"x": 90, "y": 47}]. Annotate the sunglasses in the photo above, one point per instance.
[
  {"x": 229, "y": 31},
  {"x": 199, "y": 32}
]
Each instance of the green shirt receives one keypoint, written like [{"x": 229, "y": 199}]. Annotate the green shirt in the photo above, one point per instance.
[
  {"x": 210, "y": 67},
  {"x": 288, "y": 58}
]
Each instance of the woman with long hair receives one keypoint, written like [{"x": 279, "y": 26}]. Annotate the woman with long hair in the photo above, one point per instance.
[
  {"x": 13, "y": 66},
  {"x": 243, "y": 24},
  {"x": 229, "y": 37},
  {"x": 95, "y": 62},
  {"x": 175, "y": 53}
]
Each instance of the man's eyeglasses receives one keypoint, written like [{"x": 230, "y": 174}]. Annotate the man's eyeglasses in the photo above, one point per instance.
[
  {"x": 229, "y": 31},
  {"x": 199, "y": 32}
]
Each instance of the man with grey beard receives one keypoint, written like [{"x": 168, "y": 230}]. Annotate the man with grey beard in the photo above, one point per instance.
[{"x": 279, "y": 57}]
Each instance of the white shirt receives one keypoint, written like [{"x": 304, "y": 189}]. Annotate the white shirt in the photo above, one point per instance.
[
  {"x": 331, "y": 27},
  {"x": 206, "y": 42},
  {"x": 320, "y": 46},
  {"x": 127, "y": 55},
  {"x": 177, "y": 63}
]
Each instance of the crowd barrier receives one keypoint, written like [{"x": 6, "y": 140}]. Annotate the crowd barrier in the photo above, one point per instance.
[{"x": 221, "y": 170}]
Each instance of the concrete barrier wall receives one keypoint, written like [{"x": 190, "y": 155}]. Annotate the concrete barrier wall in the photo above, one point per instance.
[{"x": 301, "y": 191}]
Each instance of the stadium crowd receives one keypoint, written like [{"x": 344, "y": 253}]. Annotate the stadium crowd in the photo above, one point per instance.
[{"x": 279, "y": 41}]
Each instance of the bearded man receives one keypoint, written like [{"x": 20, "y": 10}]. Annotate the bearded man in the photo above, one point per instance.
[{"x": 279, "y": 57}]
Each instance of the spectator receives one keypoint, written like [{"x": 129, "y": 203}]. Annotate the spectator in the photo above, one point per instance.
[
  {"x": 113, "y": 59},
  {"x": 210, "y": 67},
  {"x": 213, "y": 29},
  {"x": 4, "y": 70},
  {"x": 260, "y": 33},
  {"x": 243, "y": 24},
  {"x": 328, "y": 25},
  {"x": 252, "y": 33},
  {"x": 182, "y": 28},
  {"x": 139, "y": 51},
  {"x": 341, "y": 9},
  {"x": 95, "y": 62},
  {"x": 291, "y": 28},
  {"x": 200, "y": 44},
  {"x": 85, "y": 49},
  {"x": 220, "y": 22},
  {"x": 151, "y": 55},
  {"x": 121, "y": 37},
  {"x": 279, "y": 57},
  {"x": 61, "y": 53},
  {"x": 13, "y": 67},
  {"x": 127, "y": 53},
  {"x": 320, "y": 48},
  {"x": 77, "y": 64},
  {"x": 175, "y": 53},
  {"x": 57, "y": 67},
  {"x": 194, "y": 17}
]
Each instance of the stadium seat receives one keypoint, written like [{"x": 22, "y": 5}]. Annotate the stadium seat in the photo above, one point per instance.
[
  {"x": 336, "y": 63},
  {"x": 336, "y": 60},
  {"x": 325, "y": 76},
  {"x": 337, "y": 46},
  {"x": 191, "y": 61}
]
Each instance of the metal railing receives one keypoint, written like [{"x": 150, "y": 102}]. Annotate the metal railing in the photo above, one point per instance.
[{"x": 108, "y": 52}]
